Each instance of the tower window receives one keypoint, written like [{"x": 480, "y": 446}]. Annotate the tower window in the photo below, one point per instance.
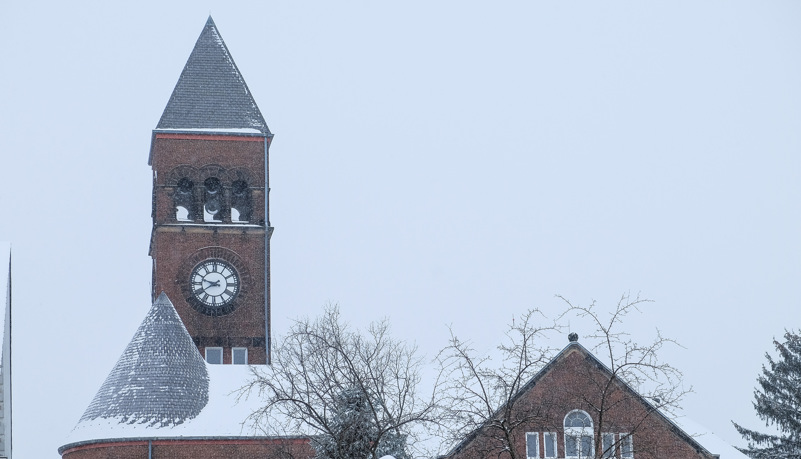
[
  {"x": 183, "y": 200},
  {"x": 214, "y": 355},
  {"x": 241, "y": 208},
  {"x": 212, "y": 200},
  {"x": 239, "y": 356}
]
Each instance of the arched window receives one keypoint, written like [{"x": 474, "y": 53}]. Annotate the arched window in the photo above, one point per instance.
[
  {"x": 241, "y": 208},
  {"x": 183, "y": 200},
  {"x": 212, "y": 200},
  {"x": 578, "y": 434}
]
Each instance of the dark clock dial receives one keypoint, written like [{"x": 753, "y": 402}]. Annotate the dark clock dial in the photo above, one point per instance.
[{"x": 215, "y": 283}]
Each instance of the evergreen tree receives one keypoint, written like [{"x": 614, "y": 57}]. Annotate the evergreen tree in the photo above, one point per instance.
[
  {"x": 352, "y": 429},
  {"x": 393, "y": 444},
  {"x": 778, "y": 403}
]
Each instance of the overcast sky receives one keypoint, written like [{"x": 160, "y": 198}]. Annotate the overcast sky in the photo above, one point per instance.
[{"x": 434, "y": 162}]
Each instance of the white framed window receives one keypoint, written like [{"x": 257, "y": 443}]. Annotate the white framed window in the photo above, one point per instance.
[
  {"x": 532, "y": 445},
  {"x": 549, "y": 444},
  {"x": 626, "y": 446},
  {"x": 239, "y": 356},
  {"x": 578, "y": 435},
  {"x": 607, "y": 445},
  {"x": 214, "y": 355}
]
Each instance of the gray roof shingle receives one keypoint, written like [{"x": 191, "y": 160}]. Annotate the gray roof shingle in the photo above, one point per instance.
[
  {"x": 211, "y": 93},
  {"x": 159, "y": 380}
]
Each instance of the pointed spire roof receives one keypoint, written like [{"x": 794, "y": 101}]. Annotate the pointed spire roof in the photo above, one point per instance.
[
  {"x": 211, "y": 93},
  {"x": 160, "y": 379}
]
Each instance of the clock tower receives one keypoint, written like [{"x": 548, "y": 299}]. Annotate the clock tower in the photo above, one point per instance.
[{"x": 210, "y": 242}]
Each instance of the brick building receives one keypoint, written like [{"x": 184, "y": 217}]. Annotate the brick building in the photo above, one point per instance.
[
  {"x": 174, "y": 391},
  {"x": 210, "y": 242},
  {"x": 573, "y": 408}
]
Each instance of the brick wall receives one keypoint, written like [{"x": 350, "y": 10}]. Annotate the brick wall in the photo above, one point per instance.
[
  {"x": 577, "y": 382},
  {"x": 289, "y": 448},
  {"x": 176, "y": 247}
]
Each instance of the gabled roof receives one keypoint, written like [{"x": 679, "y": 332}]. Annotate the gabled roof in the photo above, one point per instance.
[
  {"x": 211, "y": 94},
  {"x": 574, "y": 346},
  {"x": 160, "y": 379}
]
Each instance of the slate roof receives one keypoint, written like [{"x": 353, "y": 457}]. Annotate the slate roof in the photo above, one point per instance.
[
  {"x": 211, "y": 93},
  {"x": 160, "y": 379}
]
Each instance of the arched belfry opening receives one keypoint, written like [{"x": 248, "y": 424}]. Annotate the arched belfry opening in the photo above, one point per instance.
[
  {"x": 212, "y": 200},
  {"x": 241, "y": 204},
  {"x": 184, "y": 200}
]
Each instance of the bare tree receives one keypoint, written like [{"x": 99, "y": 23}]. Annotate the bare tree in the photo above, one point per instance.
[
  {"x": 635, "y": 365},
  {"x": 492, "y": 407},
  {"x": 350, "y": 392},
  {"x": 482, "y": 399}
]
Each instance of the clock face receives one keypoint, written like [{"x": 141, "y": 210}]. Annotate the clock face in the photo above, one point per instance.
[{"x": 214, "y": 283}]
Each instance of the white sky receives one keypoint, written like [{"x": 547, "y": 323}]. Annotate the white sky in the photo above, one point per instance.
[{"x": 434, "y": 162}]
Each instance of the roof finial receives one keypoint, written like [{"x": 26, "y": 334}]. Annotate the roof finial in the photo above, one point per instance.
[{"x": 573, "y": 337}]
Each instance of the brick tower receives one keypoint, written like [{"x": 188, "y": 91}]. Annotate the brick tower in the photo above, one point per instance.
[{"x": 210, "y": 242}]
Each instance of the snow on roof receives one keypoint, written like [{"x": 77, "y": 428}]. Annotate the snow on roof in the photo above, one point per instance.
[
  {"x": 162, "y": 387},
  {"x": 708, "y": 440},
  {"x": 213, "y": 130},
  {"x": 225, "y": 414},
  {"x": 160, "y": 379}
]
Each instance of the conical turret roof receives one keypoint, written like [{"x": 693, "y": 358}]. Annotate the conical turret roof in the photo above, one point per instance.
[
  {"x": 211, "y": 93},
  {"x": 159, "y": 380}
]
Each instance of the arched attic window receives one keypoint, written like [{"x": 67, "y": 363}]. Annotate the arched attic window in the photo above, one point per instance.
[
  {"x": 212, "y": 200},
  {"x": 578, "y": 435},
  {"x": 241, "y": 207},
  {"x": 183, "y": 200}
]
